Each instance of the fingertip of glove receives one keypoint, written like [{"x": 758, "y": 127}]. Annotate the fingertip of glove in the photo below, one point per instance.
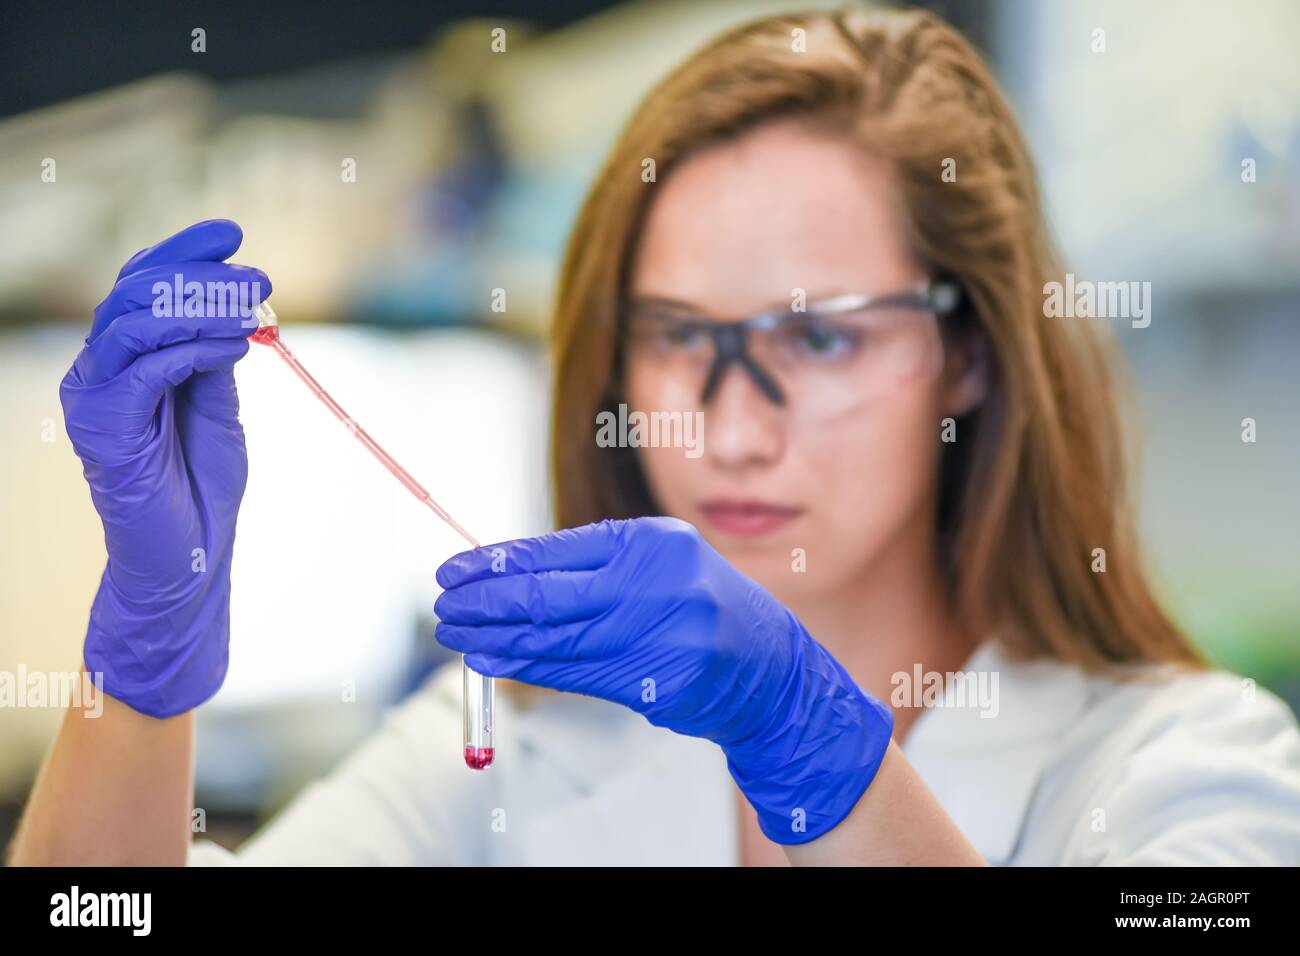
[
  {"x": 445, "y": 609},
  {"x": 221, "y": 232},
  {"x": 220, "y": 223},
  {"x": 448, "y": 574},
  {"x": 463, "y": 567},
  {"x": 260, "y": 277}
]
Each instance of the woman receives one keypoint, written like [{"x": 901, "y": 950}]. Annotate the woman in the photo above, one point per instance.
[{"x": 908, "y": 485}]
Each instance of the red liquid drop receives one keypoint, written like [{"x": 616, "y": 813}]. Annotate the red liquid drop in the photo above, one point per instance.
[
  {"x": 266, "y": 335},
  {"x": 479, "y": 758}
]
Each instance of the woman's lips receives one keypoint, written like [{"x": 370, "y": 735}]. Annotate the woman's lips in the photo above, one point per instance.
[{"x": 747, "y": 518}]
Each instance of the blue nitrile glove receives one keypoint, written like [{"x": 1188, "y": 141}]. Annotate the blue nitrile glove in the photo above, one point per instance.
[
  {"x": 151, "y": 410},
  {"x": 646, "y": 614}
]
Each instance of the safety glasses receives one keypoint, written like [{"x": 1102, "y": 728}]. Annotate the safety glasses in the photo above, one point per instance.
[{"x": 834, "y": 356}]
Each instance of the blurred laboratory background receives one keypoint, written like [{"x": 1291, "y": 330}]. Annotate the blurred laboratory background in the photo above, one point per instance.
[{"x": 469, "y": 169}]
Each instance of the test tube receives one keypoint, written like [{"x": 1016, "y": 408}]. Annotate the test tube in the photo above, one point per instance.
[
  {"x": 478, "y": 691},
  {"x": 476, "y": 717}
]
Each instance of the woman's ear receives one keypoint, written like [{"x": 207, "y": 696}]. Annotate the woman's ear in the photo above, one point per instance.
[{"x": 967, "y": 376}]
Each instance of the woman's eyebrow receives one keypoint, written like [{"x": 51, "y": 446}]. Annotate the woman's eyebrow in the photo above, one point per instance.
[
  {"x": 677, "y": 305},
  {"x": 661, "y": 302}
]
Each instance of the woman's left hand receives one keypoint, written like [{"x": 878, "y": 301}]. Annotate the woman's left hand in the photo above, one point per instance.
[{"x": 646, "y": 614}]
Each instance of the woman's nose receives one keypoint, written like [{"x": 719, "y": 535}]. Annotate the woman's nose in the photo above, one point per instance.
[{"x": 742, "y": 426}]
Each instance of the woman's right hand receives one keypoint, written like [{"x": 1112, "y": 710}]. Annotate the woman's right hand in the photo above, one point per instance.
[{"x": 152, "y": 412}]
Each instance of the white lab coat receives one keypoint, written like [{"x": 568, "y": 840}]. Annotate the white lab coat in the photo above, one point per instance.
[{"x": 1073, "y": 770}]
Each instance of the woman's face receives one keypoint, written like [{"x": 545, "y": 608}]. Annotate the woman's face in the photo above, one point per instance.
[{"x": 733, "y": 231}]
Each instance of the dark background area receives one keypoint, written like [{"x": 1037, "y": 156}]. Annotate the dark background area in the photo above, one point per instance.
[{"x": 55, "y": 51}]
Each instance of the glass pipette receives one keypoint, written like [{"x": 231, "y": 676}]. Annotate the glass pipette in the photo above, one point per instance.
[{"x": 477, "y": 690}]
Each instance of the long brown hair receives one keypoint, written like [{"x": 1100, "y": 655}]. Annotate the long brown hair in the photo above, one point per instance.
[{"x": 1038, "y": 478}]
